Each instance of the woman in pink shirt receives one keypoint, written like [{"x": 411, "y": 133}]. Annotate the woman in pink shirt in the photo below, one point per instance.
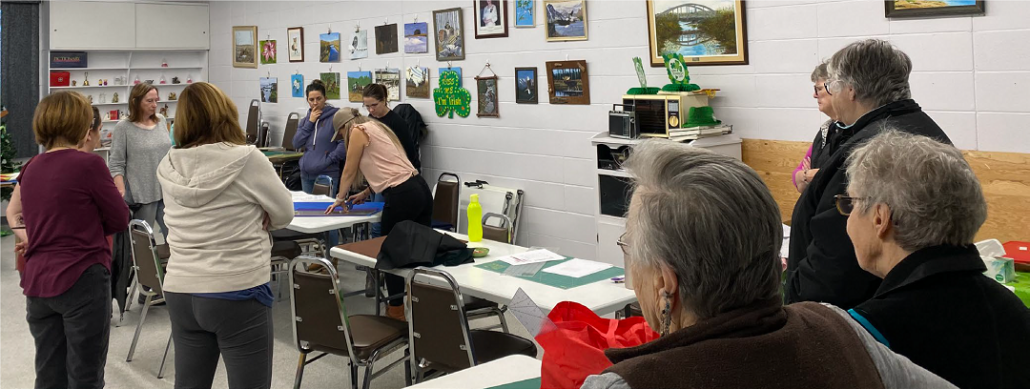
[
  {"x": 806, "y": 170},
  {"x": 375, "y": 152}
]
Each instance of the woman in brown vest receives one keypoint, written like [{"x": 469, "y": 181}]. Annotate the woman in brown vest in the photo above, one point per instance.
[{"x": 702, "y": 245}]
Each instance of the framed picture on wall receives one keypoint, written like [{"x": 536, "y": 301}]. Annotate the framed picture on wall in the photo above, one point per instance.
[
  {"x": 525, "y": 13},
  {"x": 525, "y": 86},
  {"x": 386, "y": 39},
  {"x": 329, "y": 47},
  {"x": 925, "y": 8},
  {"x": 295, "y": 43},
  {"x": 244, "y": 47},
  {"x": 491, "y": 18},
  {"x": 568, "y": 82},
  {"x": 486, "y": 91},
  {"x": 416, "y": 38},
  {"x": 566, "y": 20},
  {"x": 269, "y": 52},
  {"x": 449, "y": 34},
  {"x": 713, "y": 32}
]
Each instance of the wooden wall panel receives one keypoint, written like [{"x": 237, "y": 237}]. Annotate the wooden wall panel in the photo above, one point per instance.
[{"x": 1005, "y": 178}]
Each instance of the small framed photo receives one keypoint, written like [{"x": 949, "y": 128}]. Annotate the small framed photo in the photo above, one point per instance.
[
  {"x": 929, "y": 9},
  {"x": 244, "y": 47},
  {"x": 449, "y": 33},
  {"x": 568, "y": 82},
  {"x": 486, "y": 88},
  {"x": 525, "y": 13},
  {"x": 525, "y": 86},
  {"x": 491, "y": 18},
  {"x": 295, "y": 43},
  {"x": 566, "y": 20}
]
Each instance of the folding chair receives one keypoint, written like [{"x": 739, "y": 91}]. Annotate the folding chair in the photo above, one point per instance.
[
  {"x": 149, "y": 271},
  {"x": 292, "y": 122},
  {"x": 445, "y": 202},
  {"x": 439, "y": 337},
  {"x": 254, "y": 123},
  {"x": 321, "y": 323}
]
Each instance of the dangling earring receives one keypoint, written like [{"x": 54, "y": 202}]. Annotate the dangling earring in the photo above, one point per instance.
[{"x": 666, "y": 313}]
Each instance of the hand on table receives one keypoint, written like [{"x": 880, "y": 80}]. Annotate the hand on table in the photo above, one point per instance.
[
  {"x": 338, "y": 203},
  {"x": 358, "y": 198}
]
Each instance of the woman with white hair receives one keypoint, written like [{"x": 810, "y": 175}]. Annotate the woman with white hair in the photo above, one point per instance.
[
  {"x": 915, "y": 206},
  {"x": 868, "y": 88},
  {"x": 702, "y": 247}
]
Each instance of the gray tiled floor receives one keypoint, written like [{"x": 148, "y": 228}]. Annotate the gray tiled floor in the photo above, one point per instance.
[{"x": 17, "y": 350}]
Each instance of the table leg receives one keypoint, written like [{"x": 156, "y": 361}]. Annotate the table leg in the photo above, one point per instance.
[{"x": 375, "y": 282}]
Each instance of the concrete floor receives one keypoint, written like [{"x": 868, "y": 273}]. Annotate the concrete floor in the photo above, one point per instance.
[{"x": 17, "y": 347}]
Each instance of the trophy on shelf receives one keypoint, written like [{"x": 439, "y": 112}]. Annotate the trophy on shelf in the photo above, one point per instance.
[
  {"x": 171, "y": 96},
  {"x": 85, "y": 81},
  {"x": 114, "y": 99},
  {"x": 175, "y": 80},
  {"x": 74, "y": 82}
]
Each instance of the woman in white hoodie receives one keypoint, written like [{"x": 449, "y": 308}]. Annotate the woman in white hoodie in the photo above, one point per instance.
[{"x": 221, "y": 198}]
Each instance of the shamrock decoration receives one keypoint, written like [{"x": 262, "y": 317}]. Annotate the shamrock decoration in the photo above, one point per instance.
[
  {"x": 268, "y": 52},
  {"x": 450, "y": 97},
  {"x": 679, "y": 76}
]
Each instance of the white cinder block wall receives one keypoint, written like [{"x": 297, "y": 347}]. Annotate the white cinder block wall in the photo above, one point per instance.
[{"x": 972, "y": 74}]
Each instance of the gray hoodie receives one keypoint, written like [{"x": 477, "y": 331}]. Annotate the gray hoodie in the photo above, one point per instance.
[{"x": 216, "y": 197}]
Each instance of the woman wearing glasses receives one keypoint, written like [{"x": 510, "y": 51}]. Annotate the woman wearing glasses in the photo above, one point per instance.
[
  {"x": 809, "y": 166},
  {"x": 702, "y": 242},
  {"x": 868, "y": 88},
  {"x": 914, "y": 207}
]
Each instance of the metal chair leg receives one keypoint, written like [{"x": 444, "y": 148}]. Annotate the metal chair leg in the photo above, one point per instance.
[
  {"x": 368, "y": 372},
  {"x": 300, "y": 371},
  {"x": 353, "y": 374},
  {"x": 142, "y": 317},
  {"x": 504, "y": 323},
  {"x": 161, "y": 370},
  {"x": 407, "y": 368}
]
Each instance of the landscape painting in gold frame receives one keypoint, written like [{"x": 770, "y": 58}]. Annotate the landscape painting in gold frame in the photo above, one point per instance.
[{"x": 705, "y": 32}]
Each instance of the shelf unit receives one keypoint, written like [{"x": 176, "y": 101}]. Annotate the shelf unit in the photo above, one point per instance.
[{"x": 129, "y": 65}]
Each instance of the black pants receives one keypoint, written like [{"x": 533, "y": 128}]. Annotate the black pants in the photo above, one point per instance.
[
  {"x": 72, "y": 332},
  {"x": 413, "y": 201},
  {"x": 203, "y": 328}
]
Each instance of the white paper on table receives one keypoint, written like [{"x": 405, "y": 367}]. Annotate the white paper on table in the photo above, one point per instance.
[
  {"x": 577, "y": 268},
  {"x": 531, "y": 257},
  {"x": 785, "y": 249},
  {"x": 529, "y": 314},
  {"x": 301, "y": 197}
]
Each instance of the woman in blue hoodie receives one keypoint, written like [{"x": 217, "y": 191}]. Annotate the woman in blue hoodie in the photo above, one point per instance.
[{"x": 322, "y": 155}]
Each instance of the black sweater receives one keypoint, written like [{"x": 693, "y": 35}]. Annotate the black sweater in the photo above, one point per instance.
[{"x": 405, "y": 133}]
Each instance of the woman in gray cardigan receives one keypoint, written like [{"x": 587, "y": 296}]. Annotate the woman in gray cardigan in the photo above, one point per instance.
[{"x": 138, "y": 144}]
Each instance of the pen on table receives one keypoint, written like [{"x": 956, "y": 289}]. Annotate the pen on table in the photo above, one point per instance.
[{"x": 619, "y": 280}]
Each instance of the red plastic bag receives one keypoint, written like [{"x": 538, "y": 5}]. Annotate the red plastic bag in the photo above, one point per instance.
[{"x": 575, "y": 348}]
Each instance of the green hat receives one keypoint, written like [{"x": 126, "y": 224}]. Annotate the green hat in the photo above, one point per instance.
[{"x": 701, "y": 116}]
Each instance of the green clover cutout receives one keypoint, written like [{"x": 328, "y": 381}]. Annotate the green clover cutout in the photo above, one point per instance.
[{"x": 450, "y": 97}]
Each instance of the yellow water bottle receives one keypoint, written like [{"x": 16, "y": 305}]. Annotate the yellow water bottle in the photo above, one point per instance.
[{"x": 475, "y": 215}]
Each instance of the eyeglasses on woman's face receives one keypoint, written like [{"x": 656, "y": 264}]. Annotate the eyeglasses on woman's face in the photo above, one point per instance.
[
  {"x": 846, "y": 204},
  {"x": 623, "y": 244}
]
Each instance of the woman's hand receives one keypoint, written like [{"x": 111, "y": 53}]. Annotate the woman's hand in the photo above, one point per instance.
[
  {"x": 338, "y": 203},
  {"x": 810, "y": 175},
  {"x": 20, "y": 247},
  {"x": 265, "y": 221},
  {"x": 315, "y": 114},
  {"x": 358, "y": 198}
]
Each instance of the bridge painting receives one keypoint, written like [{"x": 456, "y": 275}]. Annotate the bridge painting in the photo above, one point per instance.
[{"x": 695, "y": 28}]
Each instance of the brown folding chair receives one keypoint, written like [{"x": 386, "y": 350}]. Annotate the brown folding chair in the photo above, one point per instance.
[
  {"x": 149, "y": 272},
  {"x": 439, "y": 338},
  {"x": 292, "y": 122},
  {"x": 321, "y": 323},
  {"x": 445, "y": 202},
  {"x": 253, "y": 123}
]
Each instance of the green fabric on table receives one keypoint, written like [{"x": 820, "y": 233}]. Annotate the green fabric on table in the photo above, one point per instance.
[
  {"x": 1022, "y": 285},
  {"x": 277, "y": 153},
  {"x": 556, "y": 280},
  {"x": 532, "y": 383}
]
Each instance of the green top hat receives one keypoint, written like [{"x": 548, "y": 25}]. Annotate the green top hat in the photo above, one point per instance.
[{"x": 701, "y": 116}]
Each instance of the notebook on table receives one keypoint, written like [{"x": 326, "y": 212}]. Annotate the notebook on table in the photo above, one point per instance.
[{"x": 318, "y": 209}]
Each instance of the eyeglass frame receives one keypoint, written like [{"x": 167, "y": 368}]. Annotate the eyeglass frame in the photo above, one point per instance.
[
  {"x": 826, "y": 86},
  {"x": 621, "y": 242},
  {"x": 839, "y": 199}
]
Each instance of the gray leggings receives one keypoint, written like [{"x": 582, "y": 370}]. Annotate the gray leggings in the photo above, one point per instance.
[{"x": 203, "y": 328}]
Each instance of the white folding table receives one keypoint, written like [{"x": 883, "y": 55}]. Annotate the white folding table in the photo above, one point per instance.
[
  {"x": 322, "y": 224},
  {"x": 603, "y": 297},
  {"x": 502, "y": 371}
]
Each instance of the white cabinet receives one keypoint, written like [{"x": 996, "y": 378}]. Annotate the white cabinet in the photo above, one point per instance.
[
  {"x": 89, "y": 25},
  {"x": 172, "y": 26},
  {"x": 98, "y": 25},
  {"x": 608, "y": 233}
]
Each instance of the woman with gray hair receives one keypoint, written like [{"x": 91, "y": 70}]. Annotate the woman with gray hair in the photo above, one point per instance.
[
  {"x": 868, "y": 88},
  {"x": 914, "y": 206},
  {"x": 809, "y": 166},
  {"x": 702, "y": 246}
]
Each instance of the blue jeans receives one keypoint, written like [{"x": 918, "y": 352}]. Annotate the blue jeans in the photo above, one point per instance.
[
  {"x": 307, "y": 184},
  {"x": 376, "y": 230}
]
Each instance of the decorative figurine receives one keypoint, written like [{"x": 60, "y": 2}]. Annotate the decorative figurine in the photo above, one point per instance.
[
  {"x": 114, "y": 99},
  {"x": 90, "y": 99},
  {"x": 175, "y": 80},
  {"x": 74, "y": 82},
  {"x": 163, "y": 79},
  {"x": 105, "y": 82},
  {"x": 164, "y": 111},
  {"x": 85, "y": 82},
  {"x": 107, "y": 117},
  {"x": 103, "y": 98},
  {"x": 164, "y": 63},
  {"x": 171, "y": 96},
  {"x": 189, "y": 78},
  {"x": 136, "y": 81}
]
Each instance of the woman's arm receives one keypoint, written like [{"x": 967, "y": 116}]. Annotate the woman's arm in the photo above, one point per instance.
[
  {"x": 303, "y": 135},
  {"x": 117, "y": 158},
  {"x": 260, "y": 181},
  {"x": 114, "y": 214},
  {"x": 14, "y": 214},
  {"x": 803, "y": 166},
  {"x": 355, "y": 148}
]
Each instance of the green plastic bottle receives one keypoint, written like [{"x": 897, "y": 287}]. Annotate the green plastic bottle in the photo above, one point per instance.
[{"x": 475, "y": 215}]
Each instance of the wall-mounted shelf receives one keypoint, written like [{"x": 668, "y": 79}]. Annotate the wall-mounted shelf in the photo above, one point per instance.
[
  {"x": 167, "y": 68},
  {"x": 91, "y": 86},
  {"x": 90, "y": 69},
  {"x": 103, "y": 104}
]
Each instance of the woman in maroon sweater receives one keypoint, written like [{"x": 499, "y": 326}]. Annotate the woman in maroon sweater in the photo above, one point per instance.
[{"x": 69, "y": 205}]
